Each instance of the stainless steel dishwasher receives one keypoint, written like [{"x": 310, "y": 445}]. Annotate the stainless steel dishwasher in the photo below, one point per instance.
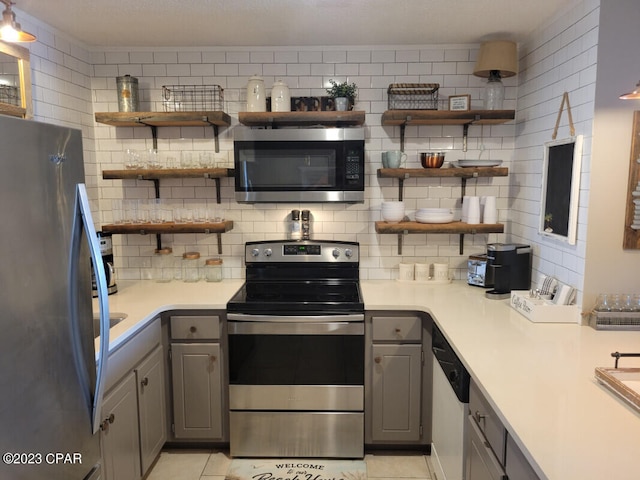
[{"x": 450, "y": 410}]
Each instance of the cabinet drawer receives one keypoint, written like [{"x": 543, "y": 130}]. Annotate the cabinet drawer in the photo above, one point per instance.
[
  {"x": 397, "y": 329},
  {"x": 195, "y": 327},
  {"x": 487, "y": 420}
]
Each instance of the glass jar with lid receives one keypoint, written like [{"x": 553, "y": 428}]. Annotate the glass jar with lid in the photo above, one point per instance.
[
  {"x": 163, "y": 265},
  {"x": 213, "y": 270},
  {"x": 190, "y": 271}
]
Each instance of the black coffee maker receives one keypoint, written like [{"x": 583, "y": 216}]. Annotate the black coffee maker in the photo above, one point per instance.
[
  {"x": 106, "y": 249},
  {"x": 508, "y": 268}
]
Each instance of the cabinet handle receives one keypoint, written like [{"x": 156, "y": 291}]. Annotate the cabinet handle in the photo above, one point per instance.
[
  {"x": 398, "y": 330},
  {"x": 104, "y": 426},
  {"x": 378, "y": 360},
  {"x": 193, "y": 329},
  {"x": 212, "y": 358},
  {"x": 144, "y": 382},
  {"x": 480, "y": 418}
]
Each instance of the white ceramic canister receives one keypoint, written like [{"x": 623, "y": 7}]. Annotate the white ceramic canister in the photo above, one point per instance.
[
  {"x": 256, "y": 97},
  {"x": 280, "y": 97}
]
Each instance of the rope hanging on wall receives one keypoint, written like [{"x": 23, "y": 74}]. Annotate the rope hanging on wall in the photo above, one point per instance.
[{"x": 572, "y": 130}]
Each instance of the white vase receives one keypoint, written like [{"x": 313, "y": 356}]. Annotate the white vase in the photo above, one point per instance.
[{"x": 342, "y": 104}]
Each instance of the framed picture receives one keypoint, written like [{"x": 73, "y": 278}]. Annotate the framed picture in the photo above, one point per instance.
[
  {"x": 561, "y": 188},
  {"x": 460, "y": 103}
]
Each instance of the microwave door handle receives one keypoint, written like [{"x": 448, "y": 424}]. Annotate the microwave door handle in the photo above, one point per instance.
[{"x": 83, "y": 221}]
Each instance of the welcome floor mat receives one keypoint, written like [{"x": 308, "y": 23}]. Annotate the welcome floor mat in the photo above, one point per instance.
[{"x": 296, "y": 469}]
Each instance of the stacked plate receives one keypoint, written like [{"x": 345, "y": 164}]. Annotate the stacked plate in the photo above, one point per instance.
[
  {"x": 434, "y": 215},
  {"x": 392, "y": 212},
  {"x": 478, "y": 163}
]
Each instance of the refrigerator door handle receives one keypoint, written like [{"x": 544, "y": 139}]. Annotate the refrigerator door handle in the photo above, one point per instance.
[{"x": 84, "y": 220}]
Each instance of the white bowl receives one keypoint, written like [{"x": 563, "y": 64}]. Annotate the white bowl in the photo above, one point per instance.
[{"x": 393, "y": 217}]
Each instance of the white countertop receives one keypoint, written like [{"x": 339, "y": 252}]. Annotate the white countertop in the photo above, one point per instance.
[{"x": 539, "y": 377}]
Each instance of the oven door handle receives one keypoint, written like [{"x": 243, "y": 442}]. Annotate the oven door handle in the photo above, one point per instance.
[
  {"x": 304, "y": 328},
  {"x": 241, "y": 317}
]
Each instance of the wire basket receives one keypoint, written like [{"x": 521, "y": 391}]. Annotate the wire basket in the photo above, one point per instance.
[
  {"x": 413, "y": 96},
  {"x": 9, "y": 94},
  {"x": 192, "y": 98}
]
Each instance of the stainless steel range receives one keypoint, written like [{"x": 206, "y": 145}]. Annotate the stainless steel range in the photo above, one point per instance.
[{"x": 296, "y": 352}]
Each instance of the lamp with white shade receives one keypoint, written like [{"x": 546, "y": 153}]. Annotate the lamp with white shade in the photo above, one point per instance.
[{"x": 497, "y": 59}]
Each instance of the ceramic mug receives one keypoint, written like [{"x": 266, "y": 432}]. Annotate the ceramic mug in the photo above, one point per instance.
[{"x": 393, "y": 158}]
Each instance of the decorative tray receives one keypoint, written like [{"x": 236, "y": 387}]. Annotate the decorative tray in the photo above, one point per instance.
[{"x": 624, "y": 382}]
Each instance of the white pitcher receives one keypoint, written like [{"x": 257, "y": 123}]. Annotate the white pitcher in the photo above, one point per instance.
[
  {"x": 280, "y": 97},
  {"x": 256, "y": 98}
]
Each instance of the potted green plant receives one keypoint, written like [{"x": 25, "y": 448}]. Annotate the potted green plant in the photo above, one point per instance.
[{"x": 344, "y": 94}]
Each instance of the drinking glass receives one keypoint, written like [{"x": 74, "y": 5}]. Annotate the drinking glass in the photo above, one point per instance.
[
  {"x": 130, "y": 210},
  {"x": 186, "y": 159},
  {"x": 604, "y": 302},
  {"x": 131, "y": 159},
  {"x": 116, "y": 211}
]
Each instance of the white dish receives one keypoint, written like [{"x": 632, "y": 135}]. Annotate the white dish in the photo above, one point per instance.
[
  {"x": 477, "y": 163},
  {"x": 431, "y": 211},
  {"x": 434, "y": 219}
]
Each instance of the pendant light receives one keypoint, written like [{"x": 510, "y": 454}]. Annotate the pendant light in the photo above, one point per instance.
[
  {"x": 496, "y": 60},
  {"x": 635, "y": 95},
  {"x": 10, "y": 30}
]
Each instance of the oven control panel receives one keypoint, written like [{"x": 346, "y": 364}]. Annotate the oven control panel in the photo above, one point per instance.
[{"x": 302, "y": 251}]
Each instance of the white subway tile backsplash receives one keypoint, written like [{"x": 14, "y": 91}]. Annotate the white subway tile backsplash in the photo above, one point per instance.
[{"x": 557, "y": 58}]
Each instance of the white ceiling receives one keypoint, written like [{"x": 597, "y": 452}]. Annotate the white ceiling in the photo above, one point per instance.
[{"x": 198, "y": 23}]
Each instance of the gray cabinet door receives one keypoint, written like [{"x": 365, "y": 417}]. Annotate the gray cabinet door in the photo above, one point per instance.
[
  {"x": 518, "y": 467},
  {"x": 120, "y": 437},
  {"x": 197, "y": 390},
  {"x": 482, "y": 463},
  {"x": 396, "y": 392},
  {"x": 151, "y": 407}
]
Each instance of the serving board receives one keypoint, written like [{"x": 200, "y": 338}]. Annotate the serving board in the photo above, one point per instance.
[{"x": 624, "y": 382}]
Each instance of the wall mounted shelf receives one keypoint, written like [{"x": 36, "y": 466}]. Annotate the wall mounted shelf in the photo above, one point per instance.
[
  {"x": 171, "y": 227},
  {"x": 166, "y": 119},
  {"x": 460, "y": 228},
  {"x": 464, "y": 174},
  {"x": 403, "y": 118},
  {"x": 155, "y": 175},
  {"x": 349, "y": 118}
]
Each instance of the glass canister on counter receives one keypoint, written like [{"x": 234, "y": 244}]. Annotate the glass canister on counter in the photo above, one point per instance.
[
  {"x": 190, "y": 270},
  {"x": 213, "y": 270},
  {"x": 163, "y": 265}
]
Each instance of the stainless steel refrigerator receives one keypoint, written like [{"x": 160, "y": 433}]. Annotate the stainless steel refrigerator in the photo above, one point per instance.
[{"x": 51, "y": 385}]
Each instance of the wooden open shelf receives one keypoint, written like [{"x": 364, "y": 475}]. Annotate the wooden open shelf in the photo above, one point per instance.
[
  {"x": 402, "y": 118},
  {"x": 168, "y": 227},
  {"x": 154, "y": 120},
  {"x": 451, "y": 228},
  {"x": 447, "y": 117},
  {"x": 171, "y": 227},
  {"x": 467, "y": 172},
  {"x": 460, "y": 228},
  {"x": 302, "y": 119},
  {"x": 162, "y": 173},
  {"x": 164, "y": 119}
]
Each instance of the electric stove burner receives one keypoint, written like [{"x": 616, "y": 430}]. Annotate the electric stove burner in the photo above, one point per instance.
[{"x": 290, "y": 277}]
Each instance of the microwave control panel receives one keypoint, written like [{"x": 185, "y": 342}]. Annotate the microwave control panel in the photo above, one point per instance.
[{"x": 353, "y": 164}]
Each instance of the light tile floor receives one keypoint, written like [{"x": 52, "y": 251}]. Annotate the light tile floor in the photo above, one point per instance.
[{"x": 213, "y": 464}]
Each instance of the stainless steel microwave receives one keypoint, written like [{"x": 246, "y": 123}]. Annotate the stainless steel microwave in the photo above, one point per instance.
[{"x": 299, "y": 165}]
